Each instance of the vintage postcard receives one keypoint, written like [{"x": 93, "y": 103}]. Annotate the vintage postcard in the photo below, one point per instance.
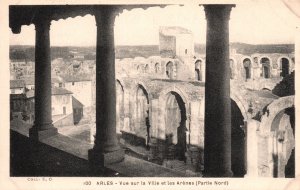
[{"x": 150, "y": 94}]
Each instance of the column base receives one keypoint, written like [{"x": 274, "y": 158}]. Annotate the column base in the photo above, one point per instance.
[
  {"x": 43, "y": 134},
  {"x": 98, "y": 160}
]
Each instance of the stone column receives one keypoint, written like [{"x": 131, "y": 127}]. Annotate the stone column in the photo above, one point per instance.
[
  {"x": 297, "y": 86},
  {"x": 251, "y": 148},
  {"x": 217, "y": 147},
  {"x": 106, "y": 149},
  {"x": 43, "y": 126}
]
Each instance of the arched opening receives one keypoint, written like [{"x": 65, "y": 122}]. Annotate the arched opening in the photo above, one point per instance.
[
  {"x": 138, "y": 69},
  {"x": 237, "y": 141},
  {"x": 119, "y": 107},
  {"x": 142, "y": 128},
  {"x": 147, "y": 68},
  {"x": 265, "y": 63},
  {"x": 247, "y": 68},
  {"x": 285, "y": 67},
  {"x": 232, "y": 68},
  {"x": 169, "y": 70},
  {"x": 175, "y": 123},
  {"x": 198, "y": 74},
  {"x": 157, "y": 68},
  {"x": 283, "y": 153}
]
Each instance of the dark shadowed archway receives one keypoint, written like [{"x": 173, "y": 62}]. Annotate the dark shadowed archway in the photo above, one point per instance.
[
  {"x": 247, "y": 68},
  {"x": 175, "y": 119},
  {"x": 198, "y": 71},
  {"x": 142, "y": 116},
  {"x": 285, "y": 67},
  {"x": 170, "y": 70},
  {"x": 237, "y": 141}
]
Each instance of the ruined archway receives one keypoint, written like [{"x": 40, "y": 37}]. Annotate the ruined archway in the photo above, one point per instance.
[
  {"x": 278, "y": 128},
  {"x": 283, "y": 131},
  {"x": 142, "y": 116},
  {"x": 170, "y": 70},
  {"x": 265, "y": 65},
  {"x": 198, "y": 70},
  {"x": 284, "y": 66},
  {"x": 175, "y": 126},
  {"x": 247, "y": 68}
]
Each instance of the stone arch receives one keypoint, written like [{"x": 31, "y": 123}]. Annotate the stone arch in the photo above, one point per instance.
[
  {"x": 170, "y": 69},
  {"x": 182, "y": 94},
  {"x": 278, "y": 126},
  {"x": 266, "y": 88},
  {"x": 142, "y": 115},
  {"x": 272, "y": 110},
  {"x": 160, "y": 128},
  {"x": 285, "y": 64},
  {"x": 241, "y": 103},
  {"x": 199, "y": 69},
  {"x": 265, "y": 62},
  {"x": 247, "y": 67},
  {"x": 175, "y": 126}
]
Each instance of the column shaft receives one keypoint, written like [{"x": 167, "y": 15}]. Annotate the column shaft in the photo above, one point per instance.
[
  {"x": 217, "y": 150},
  {"x": 106, "y": 148},
  {"x": 43, "y": 126}
]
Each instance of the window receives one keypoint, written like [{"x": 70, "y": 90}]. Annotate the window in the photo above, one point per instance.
[
  {"x": 73, "y": 83},
  {"x": 64, "y": 110},
  {"x": 185, "y": 51},
  {"x": 60, "y": 84}
]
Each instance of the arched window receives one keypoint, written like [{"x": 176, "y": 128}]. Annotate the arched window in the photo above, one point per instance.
[
  {"x": 284, "y": 66},
  {"x": 198, "y": 71},
  {"x": 170, "y": 70},
  {"x": 247, "y": 68},
  {"x": 265, "y": 63}
]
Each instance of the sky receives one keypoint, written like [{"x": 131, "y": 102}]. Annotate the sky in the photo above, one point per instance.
[{"x": 254, "y": 22}]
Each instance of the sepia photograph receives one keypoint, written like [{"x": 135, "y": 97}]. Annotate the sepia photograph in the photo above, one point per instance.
[{"x": 152, "y": 95}]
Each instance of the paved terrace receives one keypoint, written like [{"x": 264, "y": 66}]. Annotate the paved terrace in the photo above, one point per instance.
[{"x": 60, "y": 155}]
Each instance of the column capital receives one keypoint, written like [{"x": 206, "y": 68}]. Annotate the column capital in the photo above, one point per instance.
[
  {"x": 105, "y": 15},
  {"x": 218, "y": 11},
  {"x": 42, "y": 24}
]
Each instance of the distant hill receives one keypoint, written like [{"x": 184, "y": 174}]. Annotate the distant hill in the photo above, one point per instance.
[
  {"x": 27, "y": 52},
  {"x": 248, "y": 49}
]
